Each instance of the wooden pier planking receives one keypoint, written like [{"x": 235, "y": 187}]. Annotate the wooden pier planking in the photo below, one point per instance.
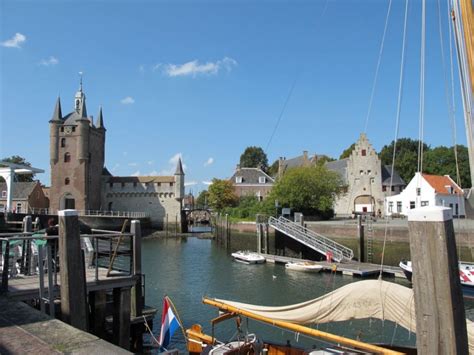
[
  {"x": 347, "y": 268},
  {"x": 27, "y": 287}
]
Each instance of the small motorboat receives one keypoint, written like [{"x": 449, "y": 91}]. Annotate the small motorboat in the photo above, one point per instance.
[
  {"x": 466, "y": 276},
  {"x": 248, "y": 257},
  {"x": 303, "y": 266}
]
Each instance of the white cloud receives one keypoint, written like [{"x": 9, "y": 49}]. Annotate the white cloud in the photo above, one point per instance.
[
  {"x": 15, "y": 41},
  {"x": 173, "y": 161},
  {"x": 136, "y": 173},
  {"x": 195, "y": 68},
  {"x": 50, "y": 61},
  {"x": 209, "y": 161},
  {"x": 127, "y": 100},
  {"x": 207, "y": 183},
  {"x": 190, "y": 183}
]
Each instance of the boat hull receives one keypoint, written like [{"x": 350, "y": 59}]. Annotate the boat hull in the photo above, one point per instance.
[
  {"x": 248, "y": 257},
  {"x": 305, "y": 267}
]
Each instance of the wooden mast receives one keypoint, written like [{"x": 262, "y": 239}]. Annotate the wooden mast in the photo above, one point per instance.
[
  {"x": 302, "y": 329},
  {"x": 463, "y": 23}
]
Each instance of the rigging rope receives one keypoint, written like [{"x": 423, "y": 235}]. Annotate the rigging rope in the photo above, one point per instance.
[
  {"x": 397, "y": 124},
  {"x": 379, "y": 60},
  {"x": 422, "y": 87}
]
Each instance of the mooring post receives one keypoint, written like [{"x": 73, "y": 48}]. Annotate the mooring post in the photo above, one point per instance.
[
  {"x": 259, "y": 237},
  {"x": 121, "y": 317},
  {"x": 137, "y": 297},
  {"x": 97, "y": 303},
  {"x": 26, "y": 253},
  {"x": 73, "y": 295},
  {"x": 439, "y": 305},
  {"x": 360, "y": 229}
]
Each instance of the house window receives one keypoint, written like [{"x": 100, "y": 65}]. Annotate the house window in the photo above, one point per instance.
[
  {"x": 238, "y": 179},
  {"x": 67, "y": 157},
  {"x": 424, "y": 203},
  {"x": 123, "y": 184},
  {"x": 399, "y": 206},
  {"x": 66, "y": 181},
  {"x": 384, "y": 188},
  {"x": 364, "y": 152},
  {"x": 369, "y": 172},
  {"x": 62, "y": 129},
  {"x": 135, "y": 184},
  {"x": 262, "y": 180},
  {"x": 18, "y": 207},
  {"x": 393, "y": 188},
  {"x": 171, "y": 184},
  {"x": 4, "y": 194},
  {"x": 111, "y": 184},
  {"x": 361, "y": 172},
  {"x": 259, "y": 196},
  {"x": 63, "y": 142},
  {"x": 74, "y": 129},
  {"x": 418, "y": 191},
  {"x": 412, "y": 205},
  {"x": 390, "y": 207}
]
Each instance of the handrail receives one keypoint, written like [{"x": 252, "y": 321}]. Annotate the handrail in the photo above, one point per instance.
[
  {"x": 311, "y": 239},
  {"x": 85, "y": 213}
]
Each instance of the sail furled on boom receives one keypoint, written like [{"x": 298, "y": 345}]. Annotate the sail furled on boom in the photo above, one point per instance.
[{"x": 359, "y": 300}]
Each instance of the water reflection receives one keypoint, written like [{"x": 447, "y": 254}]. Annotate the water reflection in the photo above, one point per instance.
[{"x": 187, "y": 269}]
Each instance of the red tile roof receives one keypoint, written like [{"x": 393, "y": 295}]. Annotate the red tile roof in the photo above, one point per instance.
[{"x": 439, "y": 183}]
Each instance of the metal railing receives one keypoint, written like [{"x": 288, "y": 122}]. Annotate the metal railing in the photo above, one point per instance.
[
  {"x": 26, "y": 254},
  {"x": 312, "y": 239},
  {"x": 125, "y": 214}
]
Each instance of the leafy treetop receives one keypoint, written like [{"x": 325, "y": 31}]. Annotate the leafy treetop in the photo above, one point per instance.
[
  {"x": 16, "y": 159},
  {"x": 221, "y": 194},
  {"x": 254, "y": 157}
]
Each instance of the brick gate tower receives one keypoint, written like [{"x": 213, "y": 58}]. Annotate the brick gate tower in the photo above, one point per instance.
[{"x": 77, "y": 149}]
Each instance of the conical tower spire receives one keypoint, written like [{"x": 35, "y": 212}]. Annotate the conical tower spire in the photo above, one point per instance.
[
  {"x": 100, "y": 119},
  {"x": 57, "y": 115},
  {"x": 83, "y": 111},
  {"x": 179, "y": 168}
]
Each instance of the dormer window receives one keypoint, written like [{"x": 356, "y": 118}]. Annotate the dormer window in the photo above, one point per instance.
[
  {"x": 262, "y": 179},
  {"x": 4, "y": 193},
  {"x": 238, "y": 179}
]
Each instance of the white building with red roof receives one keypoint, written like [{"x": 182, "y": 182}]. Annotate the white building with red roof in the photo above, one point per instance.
[{"x": 427, "y": 190}]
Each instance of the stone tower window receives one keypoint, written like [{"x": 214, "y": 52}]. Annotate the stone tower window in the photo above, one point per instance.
[
  {"x": 66, "y": 181},
  {"x": 67, "y": 157},
  {"x": 364, "y": 152},
  {"x": 171, "y": 184},
  {"x": 63, "y": 142}
]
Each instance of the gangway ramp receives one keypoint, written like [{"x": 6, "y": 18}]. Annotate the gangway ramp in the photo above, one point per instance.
[{"x": 311, "y": 239}]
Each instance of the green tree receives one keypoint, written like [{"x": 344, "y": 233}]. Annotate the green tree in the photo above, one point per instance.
[
  {"x": 254, "y": 157},
  {"x": 310, "y": 190},
  {"x": 406, "y": 157},
  {"x": 202, "y": 199},
  {"x": 347, "y": 153},
  {"x": 323, "y": 159},
  {"x": 273, "y": 169},
  {"x": 16, "y": 159},
  {"x": 441, "y": 161},
  {"x": 221, "y": 194}
]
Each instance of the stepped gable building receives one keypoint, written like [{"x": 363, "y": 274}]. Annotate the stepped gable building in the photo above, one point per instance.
[
  {"x": 367, "y": 180},
  {"x": 79, "y": 179},
  {"x": 251, "y": 182}
]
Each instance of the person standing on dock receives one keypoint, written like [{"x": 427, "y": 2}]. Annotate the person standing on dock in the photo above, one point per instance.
[{"x": 53, "y": 230}]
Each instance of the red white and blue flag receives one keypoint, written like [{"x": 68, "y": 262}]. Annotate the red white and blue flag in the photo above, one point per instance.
[{"x": 169, "y": 324}]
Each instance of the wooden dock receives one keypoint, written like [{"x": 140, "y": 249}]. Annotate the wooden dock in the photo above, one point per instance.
[
  {"x": 24, "y": 288},
  {"x": 353, "y": 268}
]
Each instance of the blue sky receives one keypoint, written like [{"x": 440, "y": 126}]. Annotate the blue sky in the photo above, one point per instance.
[{"x": 206, "y": 79}]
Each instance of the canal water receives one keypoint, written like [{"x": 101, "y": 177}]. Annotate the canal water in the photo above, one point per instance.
[{"x": 186, "y": 269}]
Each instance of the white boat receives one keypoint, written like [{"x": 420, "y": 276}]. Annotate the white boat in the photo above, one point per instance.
[
  {"x": 248, "y": 257},
  {"x": 466, "y": 276},
  {"x": 303, "y": 266}
]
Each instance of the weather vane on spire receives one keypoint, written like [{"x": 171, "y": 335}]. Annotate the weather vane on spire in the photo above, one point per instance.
[{"x": 80, "y": 75}]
